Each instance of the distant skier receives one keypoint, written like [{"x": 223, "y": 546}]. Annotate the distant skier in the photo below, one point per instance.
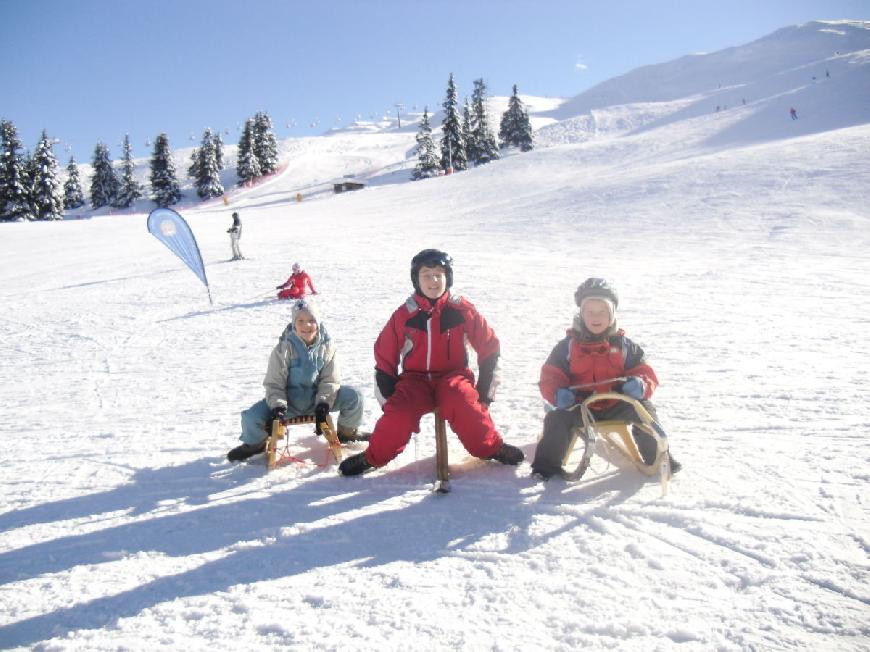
[
  {"x": 793, "y": 113},
  {"x": 235, "y": 232},
  {"x": 594, "y": 349},
  {"x": 296, "y": 286}
]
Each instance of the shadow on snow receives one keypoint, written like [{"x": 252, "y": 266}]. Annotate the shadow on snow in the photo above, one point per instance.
[{"x": 421, "y": 528}]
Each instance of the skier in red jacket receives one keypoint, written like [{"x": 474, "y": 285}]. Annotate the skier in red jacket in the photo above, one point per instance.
[
  {"x": 427, "y": 336},
  {"x": 296, "y": 286}
]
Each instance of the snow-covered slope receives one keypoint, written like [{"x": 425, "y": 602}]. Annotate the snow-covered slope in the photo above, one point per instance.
[
  {"x": 788, "y": 56},
  {"x": 821, "y": 68},
  {"x": 742, "y": 270}
]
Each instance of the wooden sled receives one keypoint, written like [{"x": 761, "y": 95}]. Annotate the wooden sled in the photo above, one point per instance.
[
  {"x": 279, "y": 430},
  {"x": 616, "y": 436}
]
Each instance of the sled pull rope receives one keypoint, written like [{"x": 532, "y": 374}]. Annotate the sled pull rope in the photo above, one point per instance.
[{"x": 604, "y": 381}]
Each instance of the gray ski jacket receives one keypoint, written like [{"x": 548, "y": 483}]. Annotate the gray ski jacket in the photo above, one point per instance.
[{"x": 299, "y": 377}]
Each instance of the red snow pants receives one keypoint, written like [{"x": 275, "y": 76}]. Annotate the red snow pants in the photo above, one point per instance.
[
  {"x": 290, "y": 293},
  {"x": 456, "y": 398}
]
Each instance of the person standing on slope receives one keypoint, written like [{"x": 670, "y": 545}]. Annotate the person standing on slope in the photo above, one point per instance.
[
  {"x": 427, "y": 336},
  {"x": 296, "y": 286},
  {"x": 235, "y": 232}
]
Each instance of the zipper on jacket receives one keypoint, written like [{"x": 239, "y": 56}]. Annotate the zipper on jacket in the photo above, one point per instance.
[
  {"x": 429, "y": 347},
  {"x": 448, "y": 342}
]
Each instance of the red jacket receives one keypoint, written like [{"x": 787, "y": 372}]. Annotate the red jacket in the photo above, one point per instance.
[
  {"x": 295, "y": 285},
  {"x": 576, "y": 362},
  {"x": 430, "y": 339}
]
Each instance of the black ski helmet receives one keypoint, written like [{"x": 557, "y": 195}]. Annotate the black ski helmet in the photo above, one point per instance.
[
  {"x": 596, "y": 288},
  {"x": 431, "y": 258}
]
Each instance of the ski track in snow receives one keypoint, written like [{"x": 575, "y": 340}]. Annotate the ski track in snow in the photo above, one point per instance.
[{"x": 742, "y": 271}]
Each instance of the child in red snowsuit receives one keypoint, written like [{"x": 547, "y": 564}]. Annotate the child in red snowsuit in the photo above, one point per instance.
[
  {"x": 594, "y": 356},
  {"x": 427, "y": 336},
  {"x": 295, "y": 286}
]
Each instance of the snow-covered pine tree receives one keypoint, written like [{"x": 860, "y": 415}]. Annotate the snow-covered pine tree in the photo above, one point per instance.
[
  {"x": 467, "y": 135},
  {"x": 525, "y": 140},
  {"x": 164, "y": 184},
  {"x": 193, "y": 168},
  {"x": 452, "y": 143},
  {"x": 247, "y": 166},
  {"x": 515, "y": 129},
  {"x": 218, "y": 150},
  {"x": 46, "y": 197},
  {"x": 265, "y": 145},
  {"x": 485, "y": 145},
  {"x": 29, "y": 167},
  {"x": 207, "y": 181},
  {"x": 73, "y": 197},
  {"x": 427, "y": 159},
  {"x": 104, "y": 183},
  {"x": 129, "y": 190},
  {"x": 14, "y": 193}
]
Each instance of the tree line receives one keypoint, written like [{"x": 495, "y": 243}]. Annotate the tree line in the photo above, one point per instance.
[
  {"x": 470, "y": 140},
  {"x": 30, "y": 186}
]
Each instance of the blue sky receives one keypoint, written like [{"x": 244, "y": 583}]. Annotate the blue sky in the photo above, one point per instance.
[{"x": 94, "y": 70}]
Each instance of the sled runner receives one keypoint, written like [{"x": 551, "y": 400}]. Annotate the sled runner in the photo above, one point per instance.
[
  {"x": 279, "y": 430},
  {"x": 615, "y": 436}
]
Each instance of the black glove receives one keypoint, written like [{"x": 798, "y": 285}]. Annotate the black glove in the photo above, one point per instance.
[
  {"x": 485, "y": 377},
  {"x": 278, "y": 412},
  {"x": 279, "y": 287},
  {"x": 386, "y": 383},
  {"x": 320, "y": 413}
]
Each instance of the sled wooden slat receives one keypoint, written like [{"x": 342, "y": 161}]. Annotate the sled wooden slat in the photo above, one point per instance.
[
  {"x": 279, "y": 430},
  {"x": 621, "y": 430},
  {"x": 332, "y": 439},
  {"x": 442, "y": 475}
]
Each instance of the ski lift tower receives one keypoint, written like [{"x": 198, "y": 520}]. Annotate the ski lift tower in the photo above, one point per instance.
[{"x": 399, "y": 106}]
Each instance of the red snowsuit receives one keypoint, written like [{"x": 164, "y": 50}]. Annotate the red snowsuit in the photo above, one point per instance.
[
  {"x": 574, "y": 361},
  {"x": 429, "y": 342},
  {"x": 294, "y": 287}
]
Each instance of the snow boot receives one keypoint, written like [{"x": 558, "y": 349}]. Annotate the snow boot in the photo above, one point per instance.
[
  {"x": 541, "y": 476},
  {"x": 542, "y": 471},
  {"x": 348, "y": 435},
  {"x": 508, "y": 454},
  {"x": 245, "y": 451},
  {"x": 355, "y": 465},
  {"x": 646, "y": 445}
]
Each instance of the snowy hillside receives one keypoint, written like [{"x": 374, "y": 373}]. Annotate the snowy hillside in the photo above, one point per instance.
[
  {"x": 822, "y": 68},
  {"x": 743, "y": 271}
]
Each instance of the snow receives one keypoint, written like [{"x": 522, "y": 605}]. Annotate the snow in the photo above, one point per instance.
[{"x": 742, "y": 266}]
